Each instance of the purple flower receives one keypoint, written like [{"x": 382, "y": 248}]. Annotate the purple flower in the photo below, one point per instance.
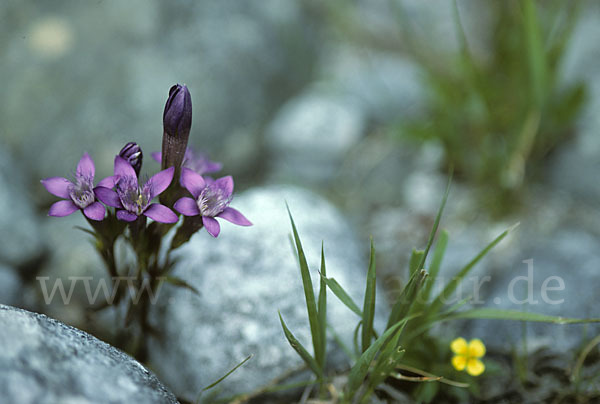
[
  {"x": 133, "y": 154},
  {"x": 79, "y": 195},
  {"x": 197, "y": 162},
  {"x": 211, "y": 199},
  {"x": 177, "y": 121},
  {"x": 133, "y": 200}
]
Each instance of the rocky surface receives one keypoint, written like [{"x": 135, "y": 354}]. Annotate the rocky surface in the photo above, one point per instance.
[
  {"x": 244, "y": 277},
  {"x": 44, "y": 361}
]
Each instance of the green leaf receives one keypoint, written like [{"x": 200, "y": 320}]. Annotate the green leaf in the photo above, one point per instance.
[
  {"x": 415, "y": 259},
  {"x": 369, "y": 304},
  {"x": 436, "y": 223},
  {"x": 436, "y": 262},
  {"x": 322, "y": 309},
  {"x": 407, "y": 297},
  {"x": 173, "y": 280},
  {"x": 309, "y": 360},
  {"x": 309, "y": 295},
  {"x": 236, "y": 367},
  {"x": 341, "y": 294},
  {"x": 454, "y": 282},
  {"x": 538, "y": 68},
  {"x": 499, "y": 314},
  {"x": 361, "y": 367}
]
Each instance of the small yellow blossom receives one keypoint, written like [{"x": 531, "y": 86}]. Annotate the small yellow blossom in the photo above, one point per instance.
[{"x": 467, "y": 355}]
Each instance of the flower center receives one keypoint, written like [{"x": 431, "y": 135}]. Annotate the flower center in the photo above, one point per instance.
[
  {"x": 133, "y": 198},
  {"x": 82, "y": 193},
  {"x": 212, "y": 201}
]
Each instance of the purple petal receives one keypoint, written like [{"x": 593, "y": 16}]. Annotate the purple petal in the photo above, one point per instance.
[
  {"x": 226, "y": 184},
  {"x": 212, "y": 166},
  {"x": 85, "y": 167},
  {"x": 161, "y": 181},
  {"x": 109, "y": 182},
  {"x": 108, "y": 197},
  {"x": 62, "y": 208},
  {"x": 126, "y": 216},
  {"x": 192, "y": 181},
  {"x": 235, "y": 217},
  {"x": 58, "y": 186},
  {"x": 187, "y": 207},
  {"x": 212, "y": 226},
  {"x": 123, "y": 168},
  {"x": 157, "y": 156},
  {"x": 161, "y": 213},
  {"x": 95, "y": 211}
]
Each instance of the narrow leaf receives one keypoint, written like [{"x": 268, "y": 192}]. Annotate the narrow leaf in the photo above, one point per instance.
[
  {"x": 309, "y": 360},
  {"x": 500, "y": 314},
  {"x": 436, "y": 223},
  {"x": 173, "y": 280},
  {"x": 236, "y": 367},
  {"x": 407, "y": 297},
  {"x": 341, "y": 294},
  {"x": 322, "y": 309},
  {"x": 454, "y": 282},
  {"x": 369, "y": 304},
  {"x": 415, "y": 259},
  {"x": 436, "y": 262},
  {"x": 309, "y": 294},
  {"x": 361, "y": 367}
]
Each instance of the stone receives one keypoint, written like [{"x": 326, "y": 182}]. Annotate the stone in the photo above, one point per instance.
[
  {"x": 311, "y": 134},
  {"x": 244, "y": 277},
  {"x": 44, "y": 361}
]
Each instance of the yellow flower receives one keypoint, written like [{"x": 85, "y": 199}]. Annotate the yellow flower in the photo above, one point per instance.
[{"x": 467, "y": 355}]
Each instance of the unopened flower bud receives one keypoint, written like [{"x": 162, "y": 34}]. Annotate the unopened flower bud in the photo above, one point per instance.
[
  {"x": 133, "y": 154},
  {"x": 177, "y": 121}
]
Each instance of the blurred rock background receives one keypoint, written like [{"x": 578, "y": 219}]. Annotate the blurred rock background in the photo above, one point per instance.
[{"x": 322, "y": 96}]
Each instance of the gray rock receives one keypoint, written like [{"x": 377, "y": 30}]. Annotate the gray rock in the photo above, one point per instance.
[
  {"x": 20, "y": 240},
  {"x": 10, "y": 286},
  {"x": 244, "y": 277},
  {"x": 44, "y": 361},
  {"x": 311, "y": 134}
]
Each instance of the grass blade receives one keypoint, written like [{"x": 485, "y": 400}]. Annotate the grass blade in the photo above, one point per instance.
[
  {"x": 173, "y": 280},
  {"x": 536, "y": 55},
  {"x": 341, "y": 294},
  {"x": 322, "y": 309},
  {"x": 436, "y": 262},
  {"x": 415, "y": 259},
  {"x": 309, "y": 294},
  {"x": 309, "y": 360},
  {"x": 500, "y": 314},
  {"x": 236, "y": 367},
  {"x": 436, "y": 223},
  {"x": 406, "y": 299},
  {"x": 361, "y": 367},
  {"x": 454, "y": 282},
  {"x": 369, "y": 304}
]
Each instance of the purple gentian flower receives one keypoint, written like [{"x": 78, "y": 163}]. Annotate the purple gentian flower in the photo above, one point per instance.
[
  {"x": 79, "y": 195},
  {"x": 198, "y": 162},
  {"x": 133, "y": 154},
  {"x": 177, "y": 121},
  {"x": 211, "y": 199},
  {"x": 133, "y": 200}
]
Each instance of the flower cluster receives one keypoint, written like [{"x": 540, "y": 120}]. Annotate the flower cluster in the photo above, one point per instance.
[{"x": 132, "y": 198}]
